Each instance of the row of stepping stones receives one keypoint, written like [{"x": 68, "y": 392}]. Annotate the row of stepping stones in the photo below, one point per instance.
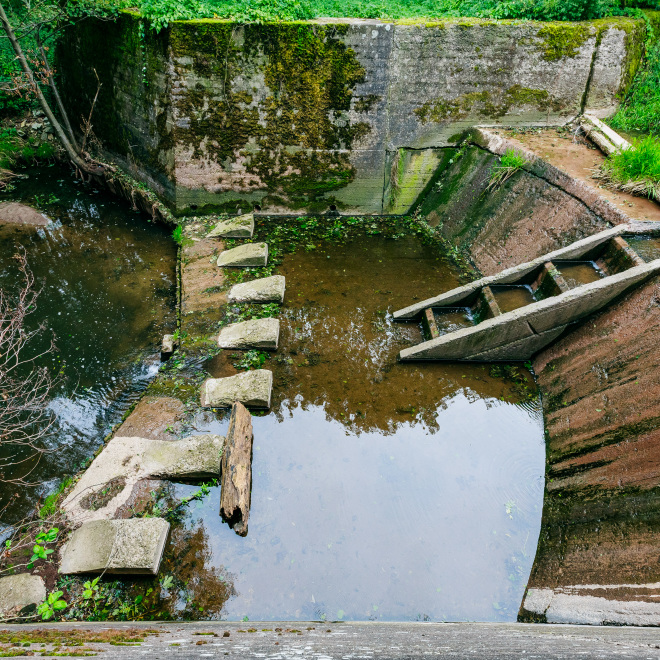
[
  {"x": 251, "y": 388},
  {"x": 106, "y": 544}
]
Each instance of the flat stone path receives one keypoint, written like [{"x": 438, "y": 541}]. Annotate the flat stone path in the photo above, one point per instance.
[
  {"x": 251, "y": 388},
  {"x": 373, "y": 641}
]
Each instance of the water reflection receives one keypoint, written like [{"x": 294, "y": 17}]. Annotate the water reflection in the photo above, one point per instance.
[{"x": 109, "y": 282}]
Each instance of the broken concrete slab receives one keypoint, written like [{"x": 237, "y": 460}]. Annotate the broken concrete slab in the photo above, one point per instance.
[
  {"x": 251, "y": 388},
  {"x": 244, "y": 256},
  {"x": 257, "y": 333},
  {"x": 109, "y": 481},
  {"x": 242, "y": 226},
  {"x": 13, "y": 213},
  {"x": 167, "y": 347},
  {"x": 264, "y": 290},
  {"x": 20, "y": 591},
  {"x": 132, "y": 546}
]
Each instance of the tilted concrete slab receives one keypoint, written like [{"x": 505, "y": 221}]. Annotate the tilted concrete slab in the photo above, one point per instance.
[
  {"x": 573, "y": 251},
  {"x": 539, "y": 322},
  {"x": 242, "y": 226},
  {"x": 264, "y": 290},
  {"x": 244, "y": 256},
  {"x": 252, "y": 388},
  {"x": 108, "y": 482},
  {"x": 256, "y": 333},
  {"x": 132, "y": 546},
  {"x": 20, "y": 591}
]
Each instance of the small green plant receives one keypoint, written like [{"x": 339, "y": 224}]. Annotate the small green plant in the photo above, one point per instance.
[
  {"x": 91, "y": 589},
  {"x": 167, "y": 582},
  {"x": 177, "y": 235},
  {"x": 635, "y": 170},
  {"x": 251, "y": 360},
  {"x": 510, "y": 162},
  {"x": 39, "y": 551},
  {"x": 52, "y": 604}
]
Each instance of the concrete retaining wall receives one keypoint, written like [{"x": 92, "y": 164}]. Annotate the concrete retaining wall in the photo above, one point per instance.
[{"x": 318, "y": 116}]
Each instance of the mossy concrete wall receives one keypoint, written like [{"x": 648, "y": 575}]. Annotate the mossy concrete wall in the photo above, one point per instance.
[{"x": 317, "y": 116}]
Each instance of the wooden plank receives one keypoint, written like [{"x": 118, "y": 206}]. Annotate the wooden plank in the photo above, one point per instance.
[
  {"x": 428, "y": 321},
  {"x": 236, "y": 479}
]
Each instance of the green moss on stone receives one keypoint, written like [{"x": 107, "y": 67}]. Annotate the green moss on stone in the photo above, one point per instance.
[{"x": 559, "y": 40}]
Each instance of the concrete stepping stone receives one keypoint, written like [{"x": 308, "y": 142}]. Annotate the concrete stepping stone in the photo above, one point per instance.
[
  {"x": 258, "y": 333},
  {"x": 251, "y": 388},
  {"x": 242, "y": 226},
  {"x": 264, "y": 290},
  {"x": 20, "y": 591},
  {"x": 243, "y": 256},
  {"x": 14, "y": 213},
  {"x": 132, "y": 546},
  {"x": 110, "y": 480}
]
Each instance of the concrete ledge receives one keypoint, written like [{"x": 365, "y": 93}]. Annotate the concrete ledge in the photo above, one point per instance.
[{"x": 132, "y": 546}]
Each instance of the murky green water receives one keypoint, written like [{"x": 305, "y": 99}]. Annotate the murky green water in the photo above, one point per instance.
[
  {"x": 108, "y": 296},
  {"x": 381, "y": 490}
]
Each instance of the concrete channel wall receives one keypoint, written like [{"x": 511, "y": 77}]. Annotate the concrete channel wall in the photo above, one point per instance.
[
  {"x": 345, "y": 115},
  {"x": 598, "y": 558}
]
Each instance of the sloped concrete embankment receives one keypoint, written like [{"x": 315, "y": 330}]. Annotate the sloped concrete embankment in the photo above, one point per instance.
[
  {"x": 342, "y": 115},
  {"x": 598, "y": 559}
]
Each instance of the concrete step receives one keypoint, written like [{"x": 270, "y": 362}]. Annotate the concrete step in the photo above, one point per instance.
[{"x": 512, "y": 315}]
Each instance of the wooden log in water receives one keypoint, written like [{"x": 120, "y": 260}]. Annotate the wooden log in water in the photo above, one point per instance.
[{"x": 236, "y": 480}]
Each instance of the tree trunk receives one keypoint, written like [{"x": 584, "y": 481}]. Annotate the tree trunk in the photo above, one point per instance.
[
  {"x": 236, "y": 477},
  {"x": 74, "y": 157}
]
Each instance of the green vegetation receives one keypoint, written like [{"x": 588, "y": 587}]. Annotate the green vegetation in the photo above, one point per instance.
[
  {"x": 641, "y": 108},
  {"x": 635, "y": 170},
  {"x": 509, "y": 164},
  {"x": 161, "y": 12}
]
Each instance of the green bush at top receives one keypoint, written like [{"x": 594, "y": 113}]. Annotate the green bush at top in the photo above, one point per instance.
[{"x": 160, "y": 12}]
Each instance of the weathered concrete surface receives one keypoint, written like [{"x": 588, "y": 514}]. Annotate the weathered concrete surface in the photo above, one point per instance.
[
  {"x": 108, "y": 482},
  {"x": 264, "y": 290},
  {"x": 601, "y": 516},
  {"x": 256, "y": 333},
  {"x": 284, "y": 640},
  {"x": 115, "y": 546},
  {"x": 14, "y": 213},
  {"x": 202, "y": 292},
  {"x": 250, "y": 254},
  {"x": 273, "y": 127},
  {"x": 241, "y": 226},
  {"x": 155, "y": 418},
  {"x": 251, "y": 388},
  {"x": 20, "y": 591}
]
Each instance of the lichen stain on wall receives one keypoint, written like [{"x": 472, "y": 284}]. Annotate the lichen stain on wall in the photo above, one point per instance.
[{"x": 265, "y": 109}]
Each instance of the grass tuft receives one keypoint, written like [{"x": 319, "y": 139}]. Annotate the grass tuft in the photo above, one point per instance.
[{"x": 510, "y": 162}]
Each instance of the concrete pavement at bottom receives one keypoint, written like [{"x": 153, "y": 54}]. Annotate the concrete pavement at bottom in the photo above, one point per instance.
[{"x": 339, "y": 641}]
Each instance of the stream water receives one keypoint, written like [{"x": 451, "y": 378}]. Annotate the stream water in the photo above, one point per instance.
[
  {"x": 108, "y": 296},
  {"x": 381, "y": 490}
]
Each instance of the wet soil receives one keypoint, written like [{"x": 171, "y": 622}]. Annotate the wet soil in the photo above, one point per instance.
[
  {"x": 108, "y": 296},
  {"x": 381, "y": 490}
]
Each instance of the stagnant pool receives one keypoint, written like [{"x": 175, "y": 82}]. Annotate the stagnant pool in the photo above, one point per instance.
[
  {"x": 108, "y": 296},
  {"x": 381, "y": 490}
]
